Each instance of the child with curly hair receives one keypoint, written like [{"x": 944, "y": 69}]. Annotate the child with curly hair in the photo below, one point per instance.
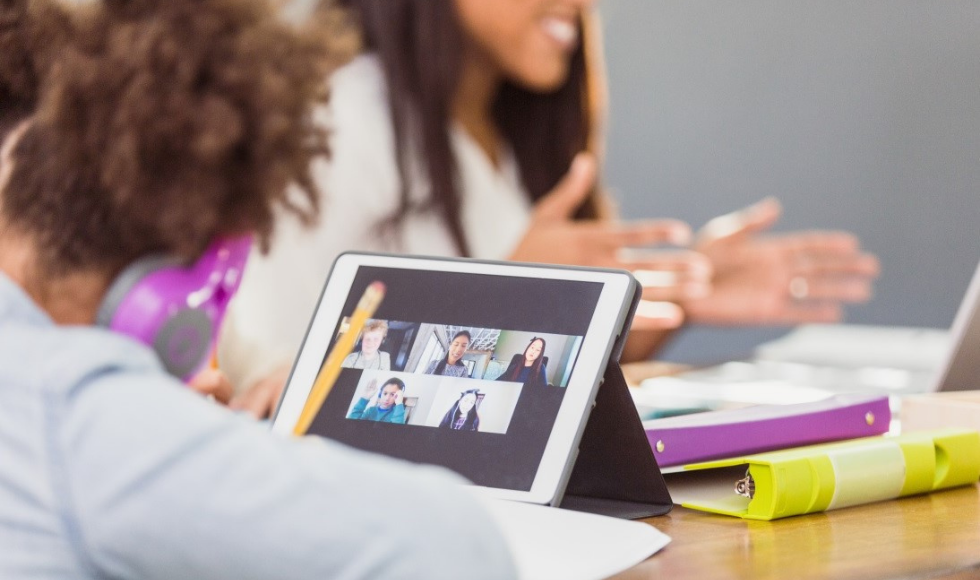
[{"x": 133, "y": 128}]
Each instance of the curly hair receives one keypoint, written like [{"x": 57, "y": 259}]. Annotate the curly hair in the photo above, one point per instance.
[
  {"x": 166, "y": 124},
  {"x": 30, "y": 33}
]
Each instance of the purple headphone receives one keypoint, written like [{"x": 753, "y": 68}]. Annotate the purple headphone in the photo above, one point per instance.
[{"x": 176, "y": 309}]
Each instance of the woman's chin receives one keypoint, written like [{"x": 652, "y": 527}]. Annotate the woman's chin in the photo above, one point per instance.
[{"x": 544, "y": 78}]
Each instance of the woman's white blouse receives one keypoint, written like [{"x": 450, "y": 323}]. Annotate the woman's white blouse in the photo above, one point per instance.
[{"x": 360, "y": 187}]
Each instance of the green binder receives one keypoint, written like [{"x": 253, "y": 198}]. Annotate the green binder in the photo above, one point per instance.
[{"x": 778, "y": 484}]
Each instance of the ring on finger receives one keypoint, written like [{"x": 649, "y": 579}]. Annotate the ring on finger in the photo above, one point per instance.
[{"x": 799, "y": 288}]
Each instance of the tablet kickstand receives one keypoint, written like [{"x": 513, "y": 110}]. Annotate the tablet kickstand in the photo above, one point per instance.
[{"x": 616, "y": 473}]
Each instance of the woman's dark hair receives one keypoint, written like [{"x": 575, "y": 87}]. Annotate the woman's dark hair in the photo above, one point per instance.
[
  {"x": 419, "y": 44},
  {"x": 472, "y": 421},
  {"x": 393, "y": 381},
  {"x": 466, "y": 333},
  {"x": 537, "y": 367},
  {"x": 165, "y": 124}
]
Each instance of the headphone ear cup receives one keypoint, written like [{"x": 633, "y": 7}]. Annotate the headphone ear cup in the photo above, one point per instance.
[
  {"x": 174, "y": 308},
  {"x": 123, "y": 285},
  {"x": 184, "y": 342},
  {"x": 149, "y": 302}
]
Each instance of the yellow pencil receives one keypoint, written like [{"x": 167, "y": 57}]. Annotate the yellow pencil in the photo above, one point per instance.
[{"x": 366, "y": 307}]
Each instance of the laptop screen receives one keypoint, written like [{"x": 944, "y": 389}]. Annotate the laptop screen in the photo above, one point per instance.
[{"x": 961, "y": 371}]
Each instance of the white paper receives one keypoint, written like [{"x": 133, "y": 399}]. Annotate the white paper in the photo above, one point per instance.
[
  {"x": 563, "y": 544},
  {"x": 852, "y": 346}
]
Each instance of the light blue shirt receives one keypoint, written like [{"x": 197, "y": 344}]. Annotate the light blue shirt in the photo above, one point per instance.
[{"x": 111, "y": 469}]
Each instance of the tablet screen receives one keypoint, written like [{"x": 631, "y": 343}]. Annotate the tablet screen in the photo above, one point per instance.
[{"x": 460, "y": 369}]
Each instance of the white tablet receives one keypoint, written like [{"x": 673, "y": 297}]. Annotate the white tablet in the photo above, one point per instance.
[{"x": 487, "y": 368}]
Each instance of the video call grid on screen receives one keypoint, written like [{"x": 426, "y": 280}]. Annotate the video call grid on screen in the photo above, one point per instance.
[{"x": 423, "y": 311}]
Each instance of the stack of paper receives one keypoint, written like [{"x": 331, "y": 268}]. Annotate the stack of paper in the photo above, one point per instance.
[{"x": 557, "y": 543}]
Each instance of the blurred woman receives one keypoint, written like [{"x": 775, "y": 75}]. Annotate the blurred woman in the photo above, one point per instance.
[{"x": 472, "y": 128}]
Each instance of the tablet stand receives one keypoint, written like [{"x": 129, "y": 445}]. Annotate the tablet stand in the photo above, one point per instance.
[{"x": 616, "y": 473}]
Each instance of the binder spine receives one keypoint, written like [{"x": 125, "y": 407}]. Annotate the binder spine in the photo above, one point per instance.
[
  {"x": 836, "y": 475},
  {"x": 684, "y": 444},
  {"x": 864, "y": 471},
  {"x": 866, "y": 474}
]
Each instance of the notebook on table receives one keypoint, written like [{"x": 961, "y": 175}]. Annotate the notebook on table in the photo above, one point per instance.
[
  {"x": 698, "y": 437},
  {"x": 817, "y": 478}
]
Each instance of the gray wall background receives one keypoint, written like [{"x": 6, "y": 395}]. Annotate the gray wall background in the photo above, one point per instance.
[{"x": 862, "y": 115}]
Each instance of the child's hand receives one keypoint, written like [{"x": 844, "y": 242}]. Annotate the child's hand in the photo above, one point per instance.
[
  {"x": 212, "y": 383},
  {"x": 261, "y": 399}
]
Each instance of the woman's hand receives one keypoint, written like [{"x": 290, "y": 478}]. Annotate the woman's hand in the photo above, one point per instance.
[
  {"x": 553, "y": 237},
  {"x": 778, "y": 279}
]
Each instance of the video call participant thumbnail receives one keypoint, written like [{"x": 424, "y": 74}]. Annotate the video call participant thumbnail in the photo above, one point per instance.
[
  {"x": 387, "y": 407},
  {"x": 463, "y": 416},
  {"x": 452, "y": 364},
  {"x": 528, "y": 368},
  {"x": 370, "y": 357}
]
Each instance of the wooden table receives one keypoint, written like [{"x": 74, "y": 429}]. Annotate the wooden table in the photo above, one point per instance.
[{"x": 929, "y": 536}]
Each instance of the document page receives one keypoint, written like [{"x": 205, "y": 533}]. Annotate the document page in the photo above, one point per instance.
[{"x": 556, "y": 543}]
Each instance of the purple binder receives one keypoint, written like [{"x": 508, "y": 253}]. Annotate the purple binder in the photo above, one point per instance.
[{"x": 719, "y": 434}]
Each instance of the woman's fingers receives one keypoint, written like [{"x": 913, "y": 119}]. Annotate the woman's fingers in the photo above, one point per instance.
[
  {"x": 595, "y": 243},
  {"x": 838, "y": 290},
  {"x": 657, "y": 315},
  {"x": 612, "y": 236},
  {"x": 741, "y": 224},
  {"x": 554, "y": 237},
  {"x": 666, "y": 275},
  {"x": 829, "y": 267},
  {"x": 853, "y": 265},
  {"x": 816, "y": 242},
  {"x": 672, "y": 275},
  {"x": 678, "y": 293}
]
